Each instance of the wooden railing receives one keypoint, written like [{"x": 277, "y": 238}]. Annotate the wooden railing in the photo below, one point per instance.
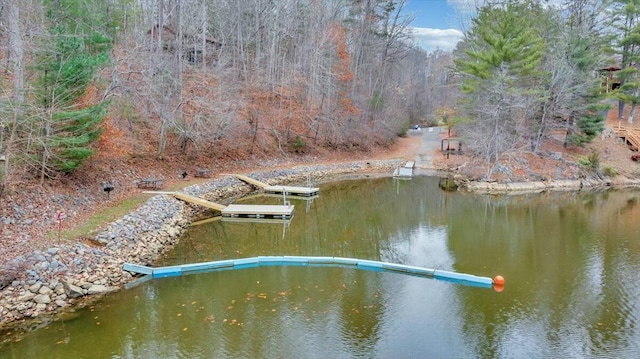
[{"x": 630, "y": 135}]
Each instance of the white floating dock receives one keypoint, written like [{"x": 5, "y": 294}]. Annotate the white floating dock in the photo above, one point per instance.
[
  {"x": 405, "y": 172},
  {"x": 292, "y": 190},
  {"x": 285, "y": 221},
  {"x": 258, "y": 211},
  {"x": 280, "y": 196},
  {"x": 241, "y": 210}
]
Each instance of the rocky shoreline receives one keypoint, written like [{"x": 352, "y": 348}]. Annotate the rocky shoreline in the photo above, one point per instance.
[
  {"x": 543, "y": 186},
  {"x": 59, "y": 279},
  {"x": 62, "y": 278}
]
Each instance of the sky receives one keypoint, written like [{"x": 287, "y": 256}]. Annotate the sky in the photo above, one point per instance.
[{"x": 437, "y": 23}]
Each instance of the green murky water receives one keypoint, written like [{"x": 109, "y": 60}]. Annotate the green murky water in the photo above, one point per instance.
[{"x": 571, "y": 263}]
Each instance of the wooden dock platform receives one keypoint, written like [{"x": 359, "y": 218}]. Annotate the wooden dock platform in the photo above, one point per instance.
[{"x": 292, "y": 190}]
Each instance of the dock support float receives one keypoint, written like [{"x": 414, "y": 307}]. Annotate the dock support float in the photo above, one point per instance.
[{"x": 261, "y": 261}]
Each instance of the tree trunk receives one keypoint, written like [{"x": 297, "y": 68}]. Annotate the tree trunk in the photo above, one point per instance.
[
  {"x": 16, "y": 56},
  {"x": 204, "y": 34},
  {"x": 567, "y": 137},
  {"x": 631, "y": 113}
]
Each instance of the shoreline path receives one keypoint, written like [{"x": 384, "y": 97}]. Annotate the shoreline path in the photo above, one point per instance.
[{"x": 430, "y": 143}]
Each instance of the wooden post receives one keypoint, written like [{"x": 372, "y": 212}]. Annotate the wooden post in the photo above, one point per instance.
[{"x": 59, "y": 216}]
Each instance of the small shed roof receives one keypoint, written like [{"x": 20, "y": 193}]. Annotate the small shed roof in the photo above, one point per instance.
[{"x": 611, "y": 68}]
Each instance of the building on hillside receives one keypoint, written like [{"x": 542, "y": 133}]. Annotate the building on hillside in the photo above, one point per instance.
[
  {"x": 610, "y": 81},
  {"x": 195, "y": 48}
]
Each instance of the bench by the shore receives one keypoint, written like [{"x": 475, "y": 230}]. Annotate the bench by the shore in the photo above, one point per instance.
[{"x": 153, "y": 183}]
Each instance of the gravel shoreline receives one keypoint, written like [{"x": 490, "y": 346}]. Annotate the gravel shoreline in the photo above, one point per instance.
[{"x": 58, "y": 280}]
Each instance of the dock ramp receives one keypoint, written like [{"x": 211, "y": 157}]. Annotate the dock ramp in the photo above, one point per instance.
[
  {"x": 290, "y": 190},
  {"x": 199, "y": 201}
]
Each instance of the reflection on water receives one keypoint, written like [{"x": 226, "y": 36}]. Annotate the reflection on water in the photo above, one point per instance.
[{"x": 571, "y": 263}]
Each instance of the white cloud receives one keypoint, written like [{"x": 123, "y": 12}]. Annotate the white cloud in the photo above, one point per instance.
[
  {"x": 466, "y": 6},
  {"x": 430, "y": 39},
  {"x": 469, "y": 6}
]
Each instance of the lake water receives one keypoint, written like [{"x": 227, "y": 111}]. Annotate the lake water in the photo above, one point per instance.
[{"x": 571, "y": 262}]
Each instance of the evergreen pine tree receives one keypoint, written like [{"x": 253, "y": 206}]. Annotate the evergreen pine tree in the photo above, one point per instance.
[
  {"x": 627, "y": 22},
  {"x": 66, "y": 70},
  {"x": 500, "y": 68}
]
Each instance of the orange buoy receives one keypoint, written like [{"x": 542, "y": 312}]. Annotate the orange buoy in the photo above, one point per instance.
[{"x": 498, "y": 280}]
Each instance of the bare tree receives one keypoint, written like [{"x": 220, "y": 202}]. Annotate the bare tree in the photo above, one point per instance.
[{"x": 15, "y": 58}]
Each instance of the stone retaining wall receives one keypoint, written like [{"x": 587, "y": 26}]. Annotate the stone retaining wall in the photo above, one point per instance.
[{"x": 542, "y": 186}]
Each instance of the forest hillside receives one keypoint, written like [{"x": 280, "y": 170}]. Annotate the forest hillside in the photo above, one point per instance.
[
  {"x": 101, "y": 94},
  {"x": 204, "y": 82}
]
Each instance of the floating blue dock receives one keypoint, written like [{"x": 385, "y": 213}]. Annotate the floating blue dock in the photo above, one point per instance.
[{"x": 261, "y": 261}]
